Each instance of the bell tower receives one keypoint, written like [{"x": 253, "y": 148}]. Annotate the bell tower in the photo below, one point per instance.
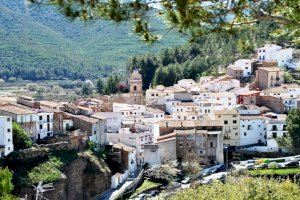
[{"x": 136, "y": 87}]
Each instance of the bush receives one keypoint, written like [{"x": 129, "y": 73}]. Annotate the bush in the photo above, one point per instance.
[
  {"x": 57, "y": 90},
  {"x": 20, "y": 138},
  {"x": 165, "y": 172},
  {"x": 243, "y": 188},
  {"x": 32, "y": 86},
  {"x": 6, "y": 185}
]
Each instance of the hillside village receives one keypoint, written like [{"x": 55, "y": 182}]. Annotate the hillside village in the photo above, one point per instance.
[{"x": 244, "y": 109}]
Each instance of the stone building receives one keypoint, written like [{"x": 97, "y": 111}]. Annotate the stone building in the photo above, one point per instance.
[
  {"x": 136, "y": 88},
  {"x": 269, "y": 77}
]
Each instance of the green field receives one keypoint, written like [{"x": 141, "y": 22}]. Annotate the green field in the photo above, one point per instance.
[{"x": 287, "y": 171}]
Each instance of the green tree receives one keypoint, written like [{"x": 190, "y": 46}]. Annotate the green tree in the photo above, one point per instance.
[
  {"x": 292, "y": 139},
  {"x": 86, "y": 89},
  {"x": 242, "y": 188},
  {"x": 20, "y": 138},
  {"x": 100, "y": 86},
  {"x": 39, "y": 94},
  {"x": 287, "y": 77},
  {"x": 6, "y": 185},
  {"x": 196, "y": 18}
]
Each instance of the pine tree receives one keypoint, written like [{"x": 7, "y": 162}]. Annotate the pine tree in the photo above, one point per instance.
[{"x": 100, "y": 86}]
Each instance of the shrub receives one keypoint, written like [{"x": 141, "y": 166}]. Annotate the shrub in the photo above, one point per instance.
[
  {"x": 243, "y": 188},
  {"x": 20, "y": 138},
  {"x": 32, "y": 86}
]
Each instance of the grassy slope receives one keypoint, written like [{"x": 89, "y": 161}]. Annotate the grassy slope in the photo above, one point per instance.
[
  {"x": 42, "y": 37},
  {"x": 288, "y": 171}
]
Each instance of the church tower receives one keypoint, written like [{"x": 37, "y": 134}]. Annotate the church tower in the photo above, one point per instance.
[{"x": 136, "y": 87}]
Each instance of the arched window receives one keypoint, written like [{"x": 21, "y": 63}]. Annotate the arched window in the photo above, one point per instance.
[{"x": 134, "y": 88}]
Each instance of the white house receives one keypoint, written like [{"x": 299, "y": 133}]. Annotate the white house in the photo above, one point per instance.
[
  {"x": 252, "y": 130},
  {"x": 44, "y": 124},
  {"x": 136, "y": 137},
  {"x": 6, "y": 138},
  {"x": 276, "y": 128},
  {"x": 27, "y": 118},
  {"x": 186, "y": 83},
  {"x": 221, "y": 84},
  {"x": 113, "y": 120},
  {"x": 209, "y": 102},
  {"x": 272, "y": 52},
  {"x": 246, "y": 65}
]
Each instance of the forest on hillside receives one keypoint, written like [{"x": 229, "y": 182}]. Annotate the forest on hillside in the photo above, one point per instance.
[
  {"x": 202, "y": 57},
  {"x": 40, "y": 43}
]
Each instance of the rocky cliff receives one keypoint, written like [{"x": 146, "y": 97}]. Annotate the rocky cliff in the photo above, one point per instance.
[{"x": 82, "y": 178}]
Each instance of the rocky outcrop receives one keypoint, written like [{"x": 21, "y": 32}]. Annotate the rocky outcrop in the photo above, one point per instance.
[{"x": 82, "y": 178}]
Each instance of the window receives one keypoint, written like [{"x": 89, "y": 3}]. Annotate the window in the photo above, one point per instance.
[
  {"x": 41, "y": 126},
  {"x": 152, "y": 94},
  {"x": 274, "y": 135},
  {"x": 234, "y": 121},
  {"x": 236, "y": 133},
  {"x": 225, "y": 122},
  {"x": 8, "y": 119},
  {"x": 234, "y": 116},
  {"x": 245, "y": 134},
  {"x": 48, "y": 127},
  {"x": 48, "y": 118},
  {"x": 8, "y": 130},
  {"x": 134, "y": 88},
  {"x": 180, "y": 145},
  {"x": 41, "y": 117},
  {"x": 8, "y": 140},
  {"x": 211, "y": 144},
  {"x": 95, "y": 132}
]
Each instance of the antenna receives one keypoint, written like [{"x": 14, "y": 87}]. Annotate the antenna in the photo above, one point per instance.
[{"x": 40, "y": 189}]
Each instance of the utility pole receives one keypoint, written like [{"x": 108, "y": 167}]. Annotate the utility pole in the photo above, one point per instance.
[{"x": 226, "y": 149}]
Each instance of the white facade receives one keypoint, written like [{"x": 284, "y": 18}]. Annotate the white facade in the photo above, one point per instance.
[
  {"x": 6, "y": 137},
  {"x": 44, "y": 125},
  {"x": 129, "y": 111},
  {"x": 186, "y": 83},
  {"x": 210, "y": 102},
  {"x": 246, "y": 65},
  {"x": 178, "y": 106},
  {"x": 252, "y": 130},
  {"x": 271, "y": 52},
  {"x": 113, "y": 120},
  {"x": 276, "y": 128},
  {"x": 135, "y": 138}
]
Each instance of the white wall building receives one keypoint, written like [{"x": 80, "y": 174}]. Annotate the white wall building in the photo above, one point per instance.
[
  {"x": 276, "y": 127},
  {"x": 44, "y": 125},
  {"x": 6, "y": 138},
  {"x": 209, "y": 102},
  {"x": 252, "y": 130},
  {"x": 246, "y": 65},
  {"x": 135, "y": 137},
  {"x": 271, "y": 52}
]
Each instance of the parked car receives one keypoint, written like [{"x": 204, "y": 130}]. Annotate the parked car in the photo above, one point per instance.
[
  {"x": 250, "y": 161},
  {"x": 141, "y": 197},
  {"x": 185, "y": 181},
  {"x": 153, "y": 193},
  {"x": 250, "y": 166},
  {"x": 262, "y": 166},
  {"x": 206, "y": 172},
  {"x": 292, "y": 164}
]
